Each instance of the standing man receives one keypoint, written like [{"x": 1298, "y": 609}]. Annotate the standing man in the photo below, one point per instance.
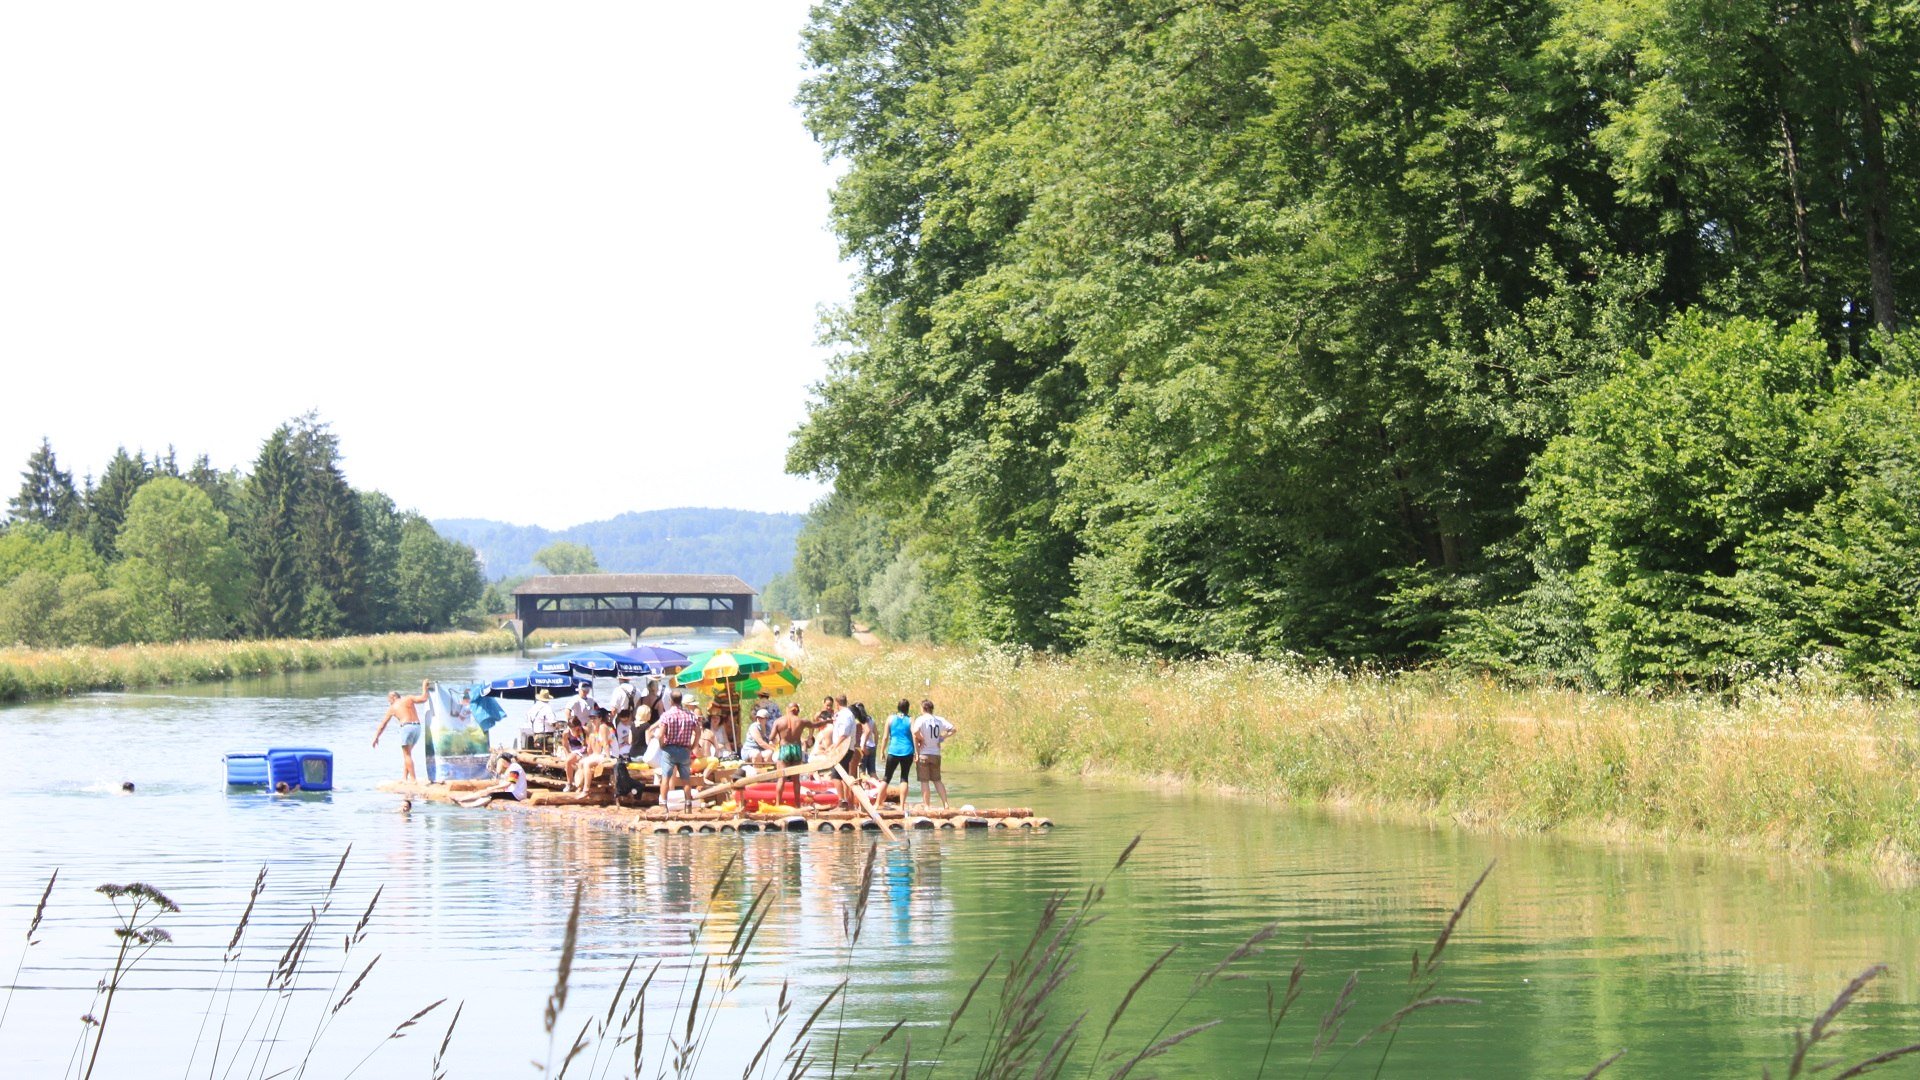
[
  {"x": 929, "y": 731},
  {"x": 789, "y": 734},
  {"x": 401, "y": 708},
  {"x": 625, "y": 697},
  {"x": 846, "y": 733},
  {"x": 678, "y": 730}
]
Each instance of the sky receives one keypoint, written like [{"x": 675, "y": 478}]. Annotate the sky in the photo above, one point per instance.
[{"x": 539, "y": 262}]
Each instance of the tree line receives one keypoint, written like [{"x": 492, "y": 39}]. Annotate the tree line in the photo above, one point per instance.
[
  {"x": 151, "y": 551},
  {"x": 1558, "y": 337}
]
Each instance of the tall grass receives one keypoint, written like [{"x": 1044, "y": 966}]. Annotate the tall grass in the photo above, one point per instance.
[
  {"x": 1799, "y": 766},
  {"x": 26, "y": 673}
]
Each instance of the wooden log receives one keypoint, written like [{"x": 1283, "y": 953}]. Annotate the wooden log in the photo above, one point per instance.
[
  {"x": 860, "y": 797},
  {"x": 807, "y": 768}
]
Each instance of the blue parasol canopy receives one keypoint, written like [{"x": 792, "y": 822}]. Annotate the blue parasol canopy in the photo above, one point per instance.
[
  {"x": 524, "y": 687},
  {"x": 655, "y": 657},
  {"x": 605, "y": 663}
]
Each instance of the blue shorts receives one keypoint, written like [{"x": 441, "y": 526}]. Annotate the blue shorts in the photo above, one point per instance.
[
  {"x": 409, "y": 734},
  {"x": 679, "y": 760}
]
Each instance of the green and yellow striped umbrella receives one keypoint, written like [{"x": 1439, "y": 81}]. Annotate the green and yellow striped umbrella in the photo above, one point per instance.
[
  {"x": 740, "y": 672},
  {"x": 717, "y": 666}
]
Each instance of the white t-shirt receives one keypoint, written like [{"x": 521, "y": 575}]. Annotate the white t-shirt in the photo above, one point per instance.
[
  {"x": 929, "y": 731},
  {"x": 624, "y": 697},
  {"x": 540, "y": 717},
  {"x": 582, "y": 709},
  {"x": 518, "y": 776},
  {"x": 845, "y": 726}
]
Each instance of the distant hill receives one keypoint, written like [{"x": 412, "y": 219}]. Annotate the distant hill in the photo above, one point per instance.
[{"x": 753, "y": 546}]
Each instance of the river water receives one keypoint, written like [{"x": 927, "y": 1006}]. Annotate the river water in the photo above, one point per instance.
[{"x": 1696, "y": 964}]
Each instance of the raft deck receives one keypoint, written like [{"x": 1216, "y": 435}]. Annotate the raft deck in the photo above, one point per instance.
[{"x": 635, "y": 815}]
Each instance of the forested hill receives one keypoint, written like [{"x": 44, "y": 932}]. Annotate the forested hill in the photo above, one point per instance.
[
  {"x": 1541, "y": 335},
  {"x": 754, "y": 546}
]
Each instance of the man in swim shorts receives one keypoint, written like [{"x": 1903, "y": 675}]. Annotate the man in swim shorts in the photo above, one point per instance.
[
  {"x": 400, "y": 707},
  {"x": 789, "y": 735}
]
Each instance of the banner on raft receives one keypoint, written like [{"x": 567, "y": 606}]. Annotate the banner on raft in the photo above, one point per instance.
[{"x": 456, "y": 746}]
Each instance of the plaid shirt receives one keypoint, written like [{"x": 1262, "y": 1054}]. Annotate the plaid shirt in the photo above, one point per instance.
[{"x": 678, "y": 727}]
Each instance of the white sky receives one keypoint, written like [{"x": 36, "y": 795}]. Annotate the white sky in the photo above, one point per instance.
[{"x": 476, "y": 236}]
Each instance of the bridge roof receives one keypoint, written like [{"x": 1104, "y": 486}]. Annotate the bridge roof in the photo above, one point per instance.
[{"x": 647, "y": 584}]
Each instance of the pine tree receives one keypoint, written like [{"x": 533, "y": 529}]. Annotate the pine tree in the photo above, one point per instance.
[
  {"x": 107, "y": 503},
  {"x": 268, "y": 537},
  {"x": 219, "y": 486},
  {"x": 332, "y": 551},
  {"x": 46, "y": 494}
]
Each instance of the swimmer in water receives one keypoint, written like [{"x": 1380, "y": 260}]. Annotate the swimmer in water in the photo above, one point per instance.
[{"x": 126, "y": 787}]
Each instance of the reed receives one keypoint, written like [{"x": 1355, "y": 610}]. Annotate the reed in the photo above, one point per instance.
[
  {"x": 30, "y": 673},
  {"x": 1800, "y": 765}
]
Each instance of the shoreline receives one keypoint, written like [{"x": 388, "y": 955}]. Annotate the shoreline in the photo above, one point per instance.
[
  {"x": 27, "y": 674},
  {"x": 1801, "y": 771}
]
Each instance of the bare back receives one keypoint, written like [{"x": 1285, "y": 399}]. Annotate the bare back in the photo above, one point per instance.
[{"x": 789, "y": 731}]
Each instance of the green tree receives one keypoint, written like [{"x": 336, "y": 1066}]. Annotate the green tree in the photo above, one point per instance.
[
  {"x": 181, "y": 575},
  {"x": 47, "y": 496},
  {"x": 270, "y": 510},
  {"x": 436, "y": 580},
  {"x": 327, "y": 526},
  {"x": 380, "y": 533},
  {"x": 107, "y": 501},
  {"x": 564, "y": 557},
  {"x": 29, "y": 610},
  {"x": 1674, "y": 481},
  {"x": 88, "y": 613},
  {"x": 28, "y": 546}
]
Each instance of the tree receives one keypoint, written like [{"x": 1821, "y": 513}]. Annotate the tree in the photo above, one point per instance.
[
  {"x": 436, "y": 579},
  {"x": 267, "y": 537},
  {"x": 332, "y": 550},
  {"x": 107, "y": 502},
  {"x": 380, "y": 533},
  {"x": 29, "y": 609},
  {"x": 182, "y": 577},
  {"x": 30, "y": 546},
  {"x": 564, "y": 557},
  {"x": 47, "y": 496},
  {"x": 1678, "y": 478}
]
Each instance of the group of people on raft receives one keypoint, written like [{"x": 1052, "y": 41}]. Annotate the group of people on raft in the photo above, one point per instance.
[{"x": 667, "y": 729}]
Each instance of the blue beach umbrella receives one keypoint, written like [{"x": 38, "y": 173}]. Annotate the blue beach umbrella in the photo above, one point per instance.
[
  {"x": 524, "y": 687},
  {"x": 654, "y": 656},
  {"x": 594, "y": 664}
]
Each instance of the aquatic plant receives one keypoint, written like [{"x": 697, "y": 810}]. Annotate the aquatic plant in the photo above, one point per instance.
[{"x": 137, "y": 935}]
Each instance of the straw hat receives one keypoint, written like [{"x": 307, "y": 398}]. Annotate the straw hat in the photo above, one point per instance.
[{"x": 544, "y": 695}]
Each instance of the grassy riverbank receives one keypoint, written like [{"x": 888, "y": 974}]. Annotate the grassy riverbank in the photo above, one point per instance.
[
  {"x": 1801, "y": 768},
  {"x": 28, "y": 673}
]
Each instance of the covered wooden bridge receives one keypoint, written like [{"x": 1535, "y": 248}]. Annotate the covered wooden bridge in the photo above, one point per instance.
[{"x": 632, "y": 602}]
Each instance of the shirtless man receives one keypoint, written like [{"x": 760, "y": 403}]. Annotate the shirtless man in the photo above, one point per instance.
[
  {"x": 788, "y": 735},
  {"x": 400, "y": 707}
]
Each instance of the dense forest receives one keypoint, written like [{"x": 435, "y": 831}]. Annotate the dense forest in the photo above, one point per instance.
[
  {"x": 750, "y": 545},
  {"x": 1561, "y": 338},
  {"x": 151, "y": 551}
]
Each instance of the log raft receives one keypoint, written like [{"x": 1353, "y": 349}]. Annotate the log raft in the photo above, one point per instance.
[{"x": 597, "y": 804}]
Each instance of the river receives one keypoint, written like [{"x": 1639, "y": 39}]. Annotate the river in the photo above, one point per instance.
[{"x": 1695, "y": 963}]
